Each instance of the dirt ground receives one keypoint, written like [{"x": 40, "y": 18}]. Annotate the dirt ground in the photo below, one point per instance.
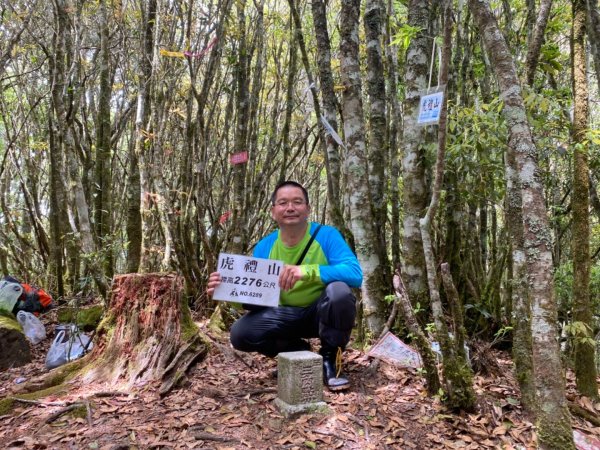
[{"x": 227, "y": 403}]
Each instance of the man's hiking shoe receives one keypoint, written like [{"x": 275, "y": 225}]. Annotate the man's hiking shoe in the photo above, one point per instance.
[{"x": 333, "y": 377}]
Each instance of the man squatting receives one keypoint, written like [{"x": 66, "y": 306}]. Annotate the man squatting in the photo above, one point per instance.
[{"x": 315, "y": 299}]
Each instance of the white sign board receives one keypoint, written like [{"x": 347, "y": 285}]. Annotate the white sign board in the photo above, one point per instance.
[
  {"x": 248, "y": 280},
  {"x": 430, "y": 108},
  {"x": 393, "y": 350}
]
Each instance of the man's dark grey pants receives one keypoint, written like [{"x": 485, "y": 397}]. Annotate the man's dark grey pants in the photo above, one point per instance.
[{"x": 270, "y": 331}]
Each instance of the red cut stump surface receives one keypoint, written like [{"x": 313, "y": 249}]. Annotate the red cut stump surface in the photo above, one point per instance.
[{"x": 147, "y": 334}]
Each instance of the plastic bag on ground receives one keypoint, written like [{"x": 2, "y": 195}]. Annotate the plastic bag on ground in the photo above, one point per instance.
[
  {"x": 32, "y": 327},
  {"x": 68, "y": 345}
]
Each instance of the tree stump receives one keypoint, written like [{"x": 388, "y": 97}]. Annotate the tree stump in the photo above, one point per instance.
[
  {"x": 147, "y": 334},
  {"x": 14, "y": 347}
]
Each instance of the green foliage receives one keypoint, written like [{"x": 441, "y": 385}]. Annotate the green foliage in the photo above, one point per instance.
[
  {"x": 502, "y": 333},
  {"x": 563, "y": 289},
  {"x": 549, "y": 58},
  {"x": 441, "y": 395},
  {"x": 404, "y": 35},
  {"x": 477, "y": 139},
  {"x": 580, "y": 333}
]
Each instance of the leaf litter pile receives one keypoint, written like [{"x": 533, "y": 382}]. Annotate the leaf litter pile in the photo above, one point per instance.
[{"x": 226, "y": 402}]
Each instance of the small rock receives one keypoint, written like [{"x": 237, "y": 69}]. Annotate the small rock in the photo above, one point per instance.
[{"x": 20, "y": 380}]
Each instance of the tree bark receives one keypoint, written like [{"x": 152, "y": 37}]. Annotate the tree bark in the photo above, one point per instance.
[
  {"x": 534, "y": 45},
  {"x": 584, "y": 343},
  {"x": 378, "y": 145},
  {"x": 330, "y": 107},
  {"x": 552, "y": 413},
  {"x": 593, "y": 31},
  {"x": 357, "y": 168},
  {"x": 103, "y": 173},
  {"x": 289, "y": 105},
  {"x": 521, "y": 302},
  {"x": 394, "y": 123},
  {"x": 134, "y": 190},
  {"x": 239, "y": 238},
  {"x": 415, "y": 139}
]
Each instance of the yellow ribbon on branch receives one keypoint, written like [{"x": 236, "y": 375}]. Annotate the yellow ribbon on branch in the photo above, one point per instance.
[{"x": 171, "y": 54}]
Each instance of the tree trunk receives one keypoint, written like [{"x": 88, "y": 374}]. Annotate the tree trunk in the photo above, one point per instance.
[
  {"x": 415, "y": 139},
  {"x": 103, "y": 173},
  {"x": 536, "y": 40},
  {"x": 552, "y": 414},
  {"x": 584, "y": 343},
  {"x": 147, "y": 335},
  {"x": 521, "y": 302},
  {"x": 239, "y": 237},
  {"x": 133, "y": 226},
  {"x": 357, "y": 168},
  {"x": 289, "y": 105},
  {"x": 378, "y": 145},
  {"x": 57, "y": 198},
  {"x": 330, "y": 107},
  {"x": 594, "y": 34},
  {"x": 394, "y": 123},
  {"x": 145, "y": 137}
]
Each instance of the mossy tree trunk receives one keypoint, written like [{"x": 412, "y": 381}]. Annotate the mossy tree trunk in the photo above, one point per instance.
[
  {"x": 585, "y": 367},
  {"x": 147, "y": 335},
  {"x": 552, "y": 414},
  {"x": 415, "y": 139},
  {"x": 521, "y": 302},
  {"x": 359, "y": 197}
]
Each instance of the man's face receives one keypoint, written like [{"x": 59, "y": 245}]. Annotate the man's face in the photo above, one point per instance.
[{"x": 290, "y": 206}]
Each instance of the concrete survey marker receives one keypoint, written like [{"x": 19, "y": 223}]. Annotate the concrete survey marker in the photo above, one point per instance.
[{"x": 299, "y": 383}]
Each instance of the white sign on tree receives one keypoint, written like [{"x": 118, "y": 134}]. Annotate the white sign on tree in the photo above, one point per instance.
[
  {"x": 245, "y": 279},
  {"x": 430, "y": 108}
]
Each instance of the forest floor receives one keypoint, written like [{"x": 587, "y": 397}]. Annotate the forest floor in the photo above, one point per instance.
[{"x": 227, "y": 403}]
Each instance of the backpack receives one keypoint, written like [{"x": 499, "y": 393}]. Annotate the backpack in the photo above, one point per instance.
[{"x": 31, "y": 299}]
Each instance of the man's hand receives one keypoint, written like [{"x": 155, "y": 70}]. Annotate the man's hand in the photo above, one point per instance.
[
  {"x": 213, "y": 281},
  {"x": 289, "y": 276}
]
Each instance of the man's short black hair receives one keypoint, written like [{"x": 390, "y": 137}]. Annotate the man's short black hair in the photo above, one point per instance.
[{"x": 289, "y": 183}]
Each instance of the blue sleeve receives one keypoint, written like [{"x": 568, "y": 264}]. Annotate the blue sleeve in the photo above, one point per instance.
[
  {"x": 263, "y": 248},
  {"x": 343, "y": 264}
]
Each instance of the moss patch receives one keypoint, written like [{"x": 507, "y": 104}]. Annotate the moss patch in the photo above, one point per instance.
[
  {"x": 7, "y": 404},
  {"x": 8, "y": 321},
  {"x": 85, "y": 318},
  {"x": 54, "y": 378},
  {"x": 188, "y": 327},
  {"x": 80, "y": 412}
]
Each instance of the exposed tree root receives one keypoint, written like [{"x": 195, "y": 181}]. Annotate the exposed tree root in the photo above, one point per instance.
[{"x": 584, "y": 414}]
